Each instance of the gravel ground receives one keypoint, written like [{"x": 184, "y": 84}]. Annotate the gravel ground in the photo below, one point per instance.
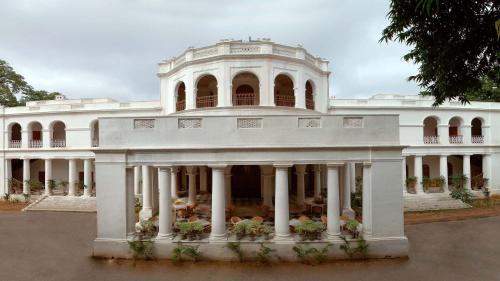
[{"x": 57, "y": 246}]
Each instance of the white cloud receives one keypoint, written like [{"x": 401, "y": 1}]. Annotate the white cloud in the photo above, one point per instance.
[{"x": 110, "y": 48}]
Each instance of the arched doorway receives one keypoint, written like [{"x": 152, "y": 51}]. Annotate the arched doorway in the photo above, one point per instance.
[
  {"x": 206, "y": 92},
  {"x": 309, "y": 95},
  {"x": 245, "y": 182},
  {"x": 245, "y": 89},
  {"x": 284, "y": 94},
  {"x": 180, "y": 97}
]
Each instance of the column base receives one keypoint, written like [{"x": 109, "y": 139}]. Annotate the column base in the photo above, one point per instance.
[
  {"x": 333, "y": 237},
  {"x": 283, "y": 238},
  {"x": 217, "y": 238},
  {"x": 349, "y": 213},
  {"x": 146, "y": 213},
  {"x": 166, "y": 236}
]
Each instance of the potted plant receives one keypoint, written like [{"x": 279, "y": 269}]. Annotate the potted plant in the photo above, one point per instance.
[
  {"x": 265, "y": 231},
  {"x": 239, "y": 230},
  {"x": 459, "y": 180},
  {"x": 309, "y": 230},
  {"x": 252, "y": 229},
  {"x": 146, "y": 228},
  {"x": 486, "y": 192},
  {"x": 411, "y": 182},
  {"x": 479, "y": 181},
  {"x": 190, "y": 230},
  {"x": 351, "y": 225}
]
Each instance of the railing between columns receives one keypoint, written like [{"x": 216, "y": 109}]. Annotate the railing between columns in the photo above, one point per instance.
[
  {"x": 284, "y": 100},
  {"x": 15, "y": 144},
  {"x": 36, "y": 143},
  {"x": 207, "y": 101},
  {"x": 180, "y": 105},
  {"x": 477, "y": 139},
  {"x": 245, "y": 99},
  {"x": 456, "y": 139},
  {"x": 58, "y": 143},
  {"x": 431, "y": 139}
]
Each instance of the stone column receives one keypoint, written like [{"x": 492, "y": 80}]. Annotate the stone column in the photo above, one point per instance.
[
  {"x": 72, "y": 177},
  {"x": 191, "y": 171},
  {"x": 26, "y": 175},
  {"x": 444, "y": 134},
  {"x": 218, "y": 204},
  {"x": 346, "y": 200},
  {"x": 165, "y": 213},
  {"x": 87, "y": 177},
  {"x": 418, "y": 174},
  {"x": 46, "y": 138},
  {"x": 403, "y": 172},
  {"x": 466, "y": 134},
  {"x": 466, "y": 170},
  {"x": 485, "y": 130},
  {"x": 203, "y": 179},
  {"x": 267, "y": 178},
  {"x": 333, "y": 202},
  {"x": 173, "y": 179},
  {"x": 281, "y": 210},
  {"x": 301, "y": 190},
  {"x": 367, "y": 198},
  {"x": 48, "y": 176},
  {"x": 24, "y": 140},
  {"x": 227, "y": 186},
  {"x": 443, "y": 170},
  {"x": 352, "y": 174},
  {"x": 487, "y": 168},
  {"x": 317, "y": 181},
  {"x": 8, "y": 175},
  {"x": 137, "y": 180},
  {"x": 147, "y": 198}
]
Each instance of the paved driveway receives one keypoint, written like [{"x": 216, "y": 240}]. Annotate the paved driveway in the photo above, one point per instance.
[{"x": 43, "y": 246}]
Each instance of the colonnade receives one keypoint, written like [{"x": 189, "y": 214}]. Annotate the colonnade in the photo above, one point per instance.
[
  {"x": 443, "y": 170},
  {"x": 279, "y": 171},
  {"x": 48, "y": 174}
]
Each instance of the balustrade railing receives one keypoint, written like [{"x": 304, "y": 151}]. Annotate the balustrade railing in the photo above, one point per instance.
[
  {"x": 36, "y": 143},
  {"x": 431, "y": 139},
  {"x": 58, "y": 143},
  {"x": 310, "y": 104},
  {"x": 207, "y": 101},
  {"x": 15, "y": 144},
  {"x": 284, "y": 100},
  {"x": 477, "y": 139},
  {"x": 245, "y": 99},
  {"x": 456, "y": 139},
  {"x": 180, "y": 105}
]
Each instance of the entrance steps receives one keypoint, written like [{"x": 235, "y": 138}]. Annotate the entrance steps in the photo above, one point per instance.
[
  {"x": 428, "y": 202},
  {"x": 63, "y": 204}
]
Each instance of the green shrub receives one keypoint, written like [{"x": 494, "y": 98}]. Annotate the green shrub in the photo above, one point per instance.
[
  {"x": 311, "y": 255},
  {"x": 252, "y": 229},
  {"x": 309, "y": 230},
  {"x": 6, "y": 196},
  {"x": 359, "y": 251},
  {"x": 351, "y": 226},
  {"x": 263, "y": 256},
  {"x": 462, "y": 194},
  {"x": 459, "y": 181},
  {"x": 137, "y": 205},
  {"x": 181, "y": 251},
  {"x": 411, "y": 182},
  {"x": 236, "y": 248},
  {"x": 147, "y": 229},
  {"x": 141, "y": 248},
  {"x": 190, "y": 230}
]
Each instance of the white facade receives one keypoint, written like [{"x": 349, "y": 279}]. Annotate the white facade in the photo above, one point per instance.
[{"x": 247, "y": 104}]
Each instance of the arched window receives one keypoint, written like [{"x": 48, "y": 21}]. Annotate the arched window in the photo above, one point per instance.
[
  {"x": 94, "y": 133},
  {"x": 206, "y": 92},
  {"x": 15, "y": 135},
  {"x": 309, "y": 95},
  {"x": 35, "y": 135},
  {"x": 58, "y": 134},
  {"x": 180, "y": 102},
  {"x": 455, "y": 130},
  {"x": 431, "y": 130},
  {"x": 245, "y": 89},
  {"x": 477, "y": 131},
  {"x": 283, "y": 91}
]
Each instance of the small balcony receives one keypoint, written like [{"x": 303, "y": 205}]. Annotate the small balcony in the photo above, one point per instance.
[
  {"x": 477, "y": 139},
  {"x": 245, "y": 99},
  {"x": 58, "y": 143},
  {"x": 36, "y": 144},
  {"x": 207, "y": 101},
  {"x": 457, "y": 139},
  {"x": 15, "y": 144},
  {"x": 180, "y": 105},
  {"x": 284, "y": 100},
  {"x": 431, "y": 139}
]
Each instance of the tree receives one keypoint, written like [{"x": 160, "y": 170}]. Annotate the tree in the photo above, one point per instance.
[
  {"x": 454, "y": 42},
  {"x": 13, "y": 85}
]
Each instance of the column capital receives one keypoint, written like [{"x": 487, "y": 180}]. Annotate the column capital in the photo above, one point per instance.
[
  {"x": 300, "y": 169},
  {"x": 282, "y": 165},
  {"x": 218, "y": 166},
  {"x": 335, "y": 164},
  {"x": 467, "y": 154},
  {"x": 165, "y": 168},
  {"x": 367, "y": 164}
]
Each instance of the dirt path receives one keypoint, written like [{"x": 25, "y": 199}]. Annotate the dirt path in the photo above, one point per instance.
[{"x": 11, "y": 207}]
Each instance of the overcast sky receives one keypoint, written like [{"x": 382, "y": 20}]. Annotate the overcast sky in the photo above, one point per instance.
[{"x": 111, "y": 48}]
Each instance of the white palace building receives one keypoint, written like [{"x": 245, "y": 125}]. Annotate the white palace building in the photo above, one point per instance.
[{"x": 248, "y": 127}]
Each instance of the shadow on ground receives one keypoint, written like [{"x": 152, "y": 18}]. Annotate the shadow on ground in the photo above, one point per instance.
[{"x": 57, "y": 246}]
